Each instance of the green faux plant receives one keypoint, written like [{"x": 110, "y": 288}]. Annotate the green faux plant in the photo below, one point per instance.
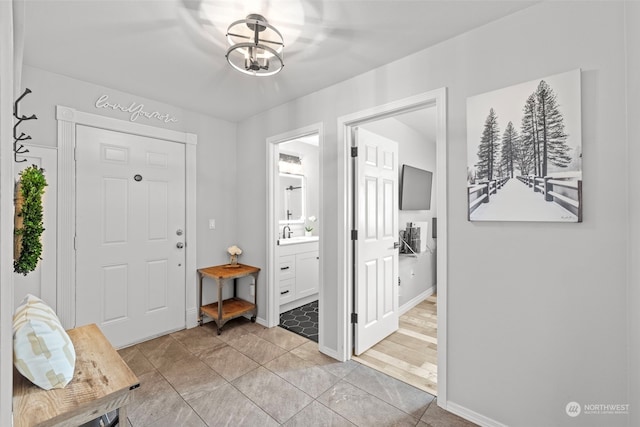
[{"x": 29, "y": 225}]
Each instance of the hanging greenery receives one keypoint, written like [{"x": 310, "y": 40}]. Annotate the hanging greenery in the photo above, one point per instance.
[{"x": 28, "y": 220}]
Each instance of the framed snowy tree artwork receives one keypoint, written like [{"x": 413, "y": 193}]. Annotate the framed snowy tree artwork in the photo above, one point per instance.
[{"x": 524, "y": 152}]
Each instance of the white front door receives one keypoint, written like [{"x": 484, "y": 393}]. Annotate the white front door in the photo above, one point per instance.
[
  {"x": 130, "y": 221},
  {"x": 376, "y": 255}
]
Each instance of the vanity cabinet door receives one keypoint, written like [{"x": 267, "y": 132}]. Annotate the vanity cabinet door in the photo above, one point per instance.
[{"x": 307, "y": 273}]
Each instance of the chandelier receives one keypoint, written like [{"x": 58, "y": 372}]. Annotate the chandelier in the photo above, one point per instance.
[{"x": 255, "y": 46}]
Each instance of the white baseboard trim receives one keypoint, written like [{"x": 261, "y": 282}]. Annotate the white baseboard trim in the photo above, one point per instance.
[
  {"x": 192, "y": 318},
  {"x": 298, "y": 303},
  {"x": 472, "y": 416},
  {"x": 416, "y": 300},
  {"x": 329, "y": 352},
  {"x": 261, "y": 321}
]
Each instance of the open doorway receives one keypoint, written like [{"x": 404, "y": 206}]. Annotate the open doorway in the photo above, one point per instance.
[
  {"x": 410, "y": 352},
  {"x": 294, "y": 230},
  {"x": 347, "y": 130}
]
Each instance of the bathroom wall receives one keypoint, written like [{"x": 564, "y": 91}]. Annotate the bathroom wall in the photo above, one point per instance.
[
  {"x": 216, "y": 151},
  {"x": 545, "y": 303},
  {"x": 417, "y": 273}
]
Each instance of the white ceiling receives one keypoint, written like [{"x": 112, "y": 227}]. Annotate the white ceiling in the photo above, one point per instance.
[{"x": 153, "y": 49}]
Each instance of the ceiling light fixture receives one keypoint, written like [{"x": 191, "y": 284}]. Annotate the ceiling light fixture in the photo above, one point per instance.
[{"x": 256, "y": 46}]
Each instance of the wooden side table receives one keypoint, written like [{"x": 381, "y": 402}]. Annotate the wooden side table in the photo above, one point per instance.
[
  {"x": 102, "y": 382},
  {"x": 234, "y": 307}
]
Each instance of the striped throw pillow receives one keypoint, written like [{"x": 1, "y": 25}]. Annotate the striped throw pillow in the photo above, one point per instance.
[{"x": 42, "y": 350}]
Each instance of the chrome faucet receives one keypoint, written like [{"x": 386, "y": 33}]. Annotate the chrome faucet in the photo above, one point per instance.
[{"x": 286, "y": 235}]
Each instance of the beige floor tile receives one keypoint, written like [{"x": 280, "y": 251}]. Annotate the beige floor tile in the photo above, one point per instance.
[
  {"x": 303, "y": 374},
  {"x": 198, "y": 339},
  {"x": 154, "y": 399},
  {"x": 256, "y": 348},
  {"x": 229, "y": 362},
  {"x": 183, "y": 415},
  {"x": 403, "y": 396},
  {"x": 231, "y": 331},
  {"x": 362, "y": 408},
  {"x": 163, "y": 351},
  {"x": 274, "y": 395},
  {"x": 317, "y": 415},
  {"x": 309, "y": 351},
  {"x": 191, "y": 377},
  {"x": 226, "y": 406},
  {"x": 136, "y": 361},
  {"x": 435, "y": 416},
  {"x": 281, "y": 337}
]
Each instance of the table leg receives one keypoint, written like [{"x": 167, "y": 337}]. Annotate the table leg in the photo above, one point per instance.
[
  {"x": 255, "y": 297},
  {"x": 122, "y": 416},
  {"x": 219, "y": 319},
  {"x": 200, "y": 315}
]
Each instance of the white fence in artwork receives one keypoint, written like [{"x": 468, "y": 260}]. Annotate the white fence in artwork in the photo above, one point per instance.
[
  {"x": 564, "y": 189},
  {"x": 481, "y": 193}
]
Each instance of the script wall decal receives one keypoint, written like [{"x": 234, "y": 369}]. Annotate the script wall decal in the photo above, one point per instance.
[{"x": 135, "y": 109}]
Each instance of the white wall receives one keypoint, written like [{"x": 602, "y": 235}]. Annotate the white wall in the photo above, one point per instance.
[
  {"x": 524, "y": 338},
  {"x": 216, "y": 151},
  {"x": 633, "y": 130},
  {"x": 417, "y": 274}
]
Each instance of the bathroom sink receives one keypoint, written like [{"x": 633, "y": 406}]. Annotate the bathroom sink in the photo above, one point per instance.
[{"x": 297, "y": 240}]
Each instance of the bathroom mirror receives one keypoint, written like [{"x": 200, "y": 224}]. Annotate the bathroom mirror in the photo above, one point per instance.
[{"x": 292, "y": 198}]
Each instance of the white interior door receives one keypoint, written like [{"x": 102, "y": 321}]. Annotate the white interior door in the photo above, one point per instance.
[
  {"x": 376, "y": 254},
  {"x": 130, "y": 220},
  {"x": 41, "y": 282}
]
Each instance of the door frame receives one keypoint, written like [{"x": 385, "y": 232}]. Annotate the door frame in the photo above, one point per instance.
[
  {"x": 273, "y": 311},
  {"x": 67, "y": 119},
  {"x": 436, "y": 98}
]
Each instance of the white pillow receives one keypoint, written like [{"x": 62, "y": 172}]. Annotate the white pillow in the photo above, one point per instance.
[{"x": 42, "y": 350}]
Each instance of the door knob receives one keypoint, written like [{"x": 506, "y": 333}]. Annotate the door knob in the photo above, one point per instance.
[{"x": 179, "y": 245}]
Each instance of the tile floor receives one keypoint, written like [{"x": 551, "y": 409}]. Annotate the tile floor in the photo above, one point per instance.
[
  {"x": 254, "y": 376},
  {"x": 302, "y": 320}
]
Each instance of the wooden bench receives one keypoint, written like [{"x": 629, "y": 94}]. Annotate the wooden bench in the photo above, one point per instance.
[{"x": 102, "y": 382}]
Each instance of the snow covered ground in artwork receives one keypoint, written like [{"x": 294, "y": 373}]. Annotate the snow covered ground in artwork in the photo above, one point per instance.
[{"x": 517, "y": 202}]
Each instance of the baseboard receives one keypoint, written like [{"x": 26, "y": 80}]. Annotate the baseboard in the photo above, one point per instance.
[
  {"x": 472, "y": 416},
  {"x": 192, "y": 318},
  {"x": 261, "y": 321},
  {"x": 416, "y": 300},
  {"x": 328, "y": 351},
  {"x": 298, "y": 303}
]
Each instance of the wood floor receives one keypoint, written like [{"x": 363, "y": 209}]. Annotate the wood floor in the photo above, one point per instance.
[{"x": 411, "y": 353}]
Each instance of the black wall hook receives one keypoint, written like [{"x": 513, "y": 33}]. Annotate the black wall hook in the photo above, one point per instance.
[{"x": 17, "y": 147}]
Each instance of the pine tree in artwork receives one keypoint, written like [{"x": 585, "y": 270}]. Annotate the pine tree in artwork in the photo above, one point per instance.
[
  {"x": 529, "y": 146},
  {"x": 551, "y": 135},
  {"x": 488, "y": 148},
  {"x": 508, "y": 150}
]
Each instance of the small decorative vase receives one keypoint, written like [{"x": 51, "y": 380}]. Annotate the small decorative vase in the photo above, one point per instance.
[
  {"x": 234, "y": 260},
  {"x": 307, "y": 233}
]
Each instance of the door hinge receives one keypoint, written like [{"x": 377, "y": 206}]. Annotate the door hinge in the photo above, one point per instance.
[
  {"x": 75, "y": 154},
  {"x": 354, "y": 234},
  {"x": 75, "y": 239},
  {"x": 354, "y": 317},
  {"x": 354, "y": 151}
]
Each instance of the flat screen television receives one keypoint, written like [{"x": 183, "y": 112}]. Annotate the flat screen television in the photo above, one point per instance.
[{"x": 415, "y": 189}]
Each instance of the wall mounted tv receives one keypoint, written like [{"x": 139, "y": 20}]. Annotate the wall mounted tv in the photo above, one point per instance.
[{"x": 415, "y": 189}]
